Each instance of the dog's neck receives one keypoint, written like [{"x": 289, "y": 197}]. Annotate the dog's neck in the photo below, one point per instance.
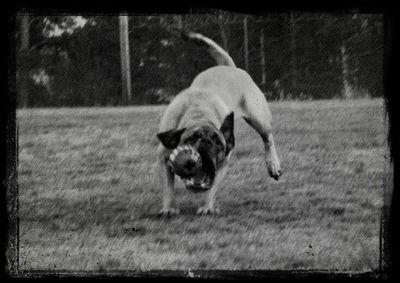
[
  {"x": 199, "y": 123},
  {"x": 194, "y": 117}
]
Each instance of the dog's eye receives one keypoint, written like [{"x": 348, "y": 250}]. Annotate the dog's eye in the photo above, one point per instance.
[
  {"x": 215, "y": 139},
  {"x": 197, "y": 135},
  {"x": 193, "y": 138}
]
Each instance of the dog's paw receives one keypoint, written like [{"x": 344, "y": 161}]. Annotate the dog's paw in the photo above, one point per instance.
[
  {"x": 206, "y": 210},
  {"x": 274, "y": 170},
  {"x": 275, "y": 174},
  {"x": 168, "y": 212}
]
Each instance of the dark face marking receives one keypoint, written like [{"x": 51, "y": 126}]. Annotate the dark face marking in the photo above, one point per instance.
[{"x": 208, "y": 140}]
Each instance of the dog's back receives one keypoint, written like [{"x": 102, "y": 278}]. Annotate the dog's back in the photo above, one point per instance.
[
  {"x": 230, "y": 84},
  {"x": 225, "y": 80},
  {"x": 223, "y": 87}
]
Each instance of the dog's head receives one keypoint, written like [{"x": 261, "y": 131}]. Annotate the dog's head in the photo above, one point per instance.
[{"x": 212, "y": 144}]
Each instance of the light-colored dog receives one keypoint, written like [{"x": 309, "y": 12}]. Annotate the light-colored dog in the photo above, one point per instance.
[{"x": 202, "y": 117}]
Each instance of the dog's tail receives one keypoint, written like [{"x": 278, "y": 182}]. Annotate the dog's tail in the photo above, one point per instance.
[{"x": 217, "y": 52}]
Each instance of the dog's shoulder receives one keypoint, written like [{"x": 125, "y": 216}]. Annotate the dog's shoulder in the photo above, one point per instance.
[{"x": 219, "y": 75}]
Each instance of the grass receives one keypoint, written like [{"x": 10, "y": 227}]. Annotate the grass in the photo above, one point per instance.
[{"x": 89, "y": 195}]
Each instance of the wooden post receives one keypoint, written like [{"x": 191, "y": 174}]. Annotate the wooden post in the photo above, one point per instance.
[
  {"x": 262, "y": 55},
  {"x": 347, "y": 93},
  {"x": 125, "y": 59},
  {"x": 23, "y": 90},
  {"x": 246, "y": 47}
]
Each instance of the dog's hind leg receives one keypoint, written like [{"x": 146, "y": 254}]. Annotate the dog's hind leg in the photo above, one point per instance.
[
  {"x": 257, "y": 115},
  {"x": 166, "y": 181}
]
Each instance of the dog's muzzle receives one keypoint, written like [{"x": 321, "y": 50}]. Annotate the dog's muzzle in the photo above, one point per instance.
[{"x": 187, "y": 163}]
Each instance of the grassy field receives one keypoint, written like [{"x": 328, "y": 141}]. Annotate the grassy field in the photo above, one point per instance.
[{"x": 89, "y": 194}]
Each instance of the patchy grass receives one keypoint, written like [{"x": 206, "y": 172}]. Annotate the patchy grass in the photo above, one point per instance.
[{"x": 89, "y": 195}]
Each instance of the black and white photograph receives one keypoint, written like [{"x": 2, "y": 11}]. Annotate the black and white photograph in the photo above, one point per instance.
[{"x": 199, "y": 142}]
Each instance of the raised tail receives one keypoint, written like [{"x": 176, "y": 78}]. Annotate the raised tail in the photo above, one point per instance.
[{"x": 217, "y": 52}]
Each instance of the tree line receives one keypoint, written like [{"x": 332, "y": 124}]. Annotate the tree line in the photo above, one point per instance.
[{"x": 76, "y": 60}]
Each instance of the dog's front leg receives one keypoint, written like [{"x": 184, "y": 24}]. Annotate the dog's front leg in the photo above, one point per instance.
[
  {"x": 271, "y": 157},
  {"x": 167, "y": 179},
  {"x": 265, "y": 131}
]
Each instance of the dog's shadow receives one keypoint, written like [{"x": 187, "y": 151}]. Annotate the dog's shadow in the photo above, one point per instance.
[
  {"x": 186, "y": 211},
  {"x": 148, "y": 220}
]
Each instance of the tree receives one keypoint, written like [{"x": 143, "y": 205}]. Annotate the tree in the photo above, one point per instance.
[
  {"x": 289, "y": 56},
  {"x": 293, "y": 54},
  {"x": 125, "y": 59},
  {"x": 262, "y": 56},
  {"x": 222, "y": 30},
  {"x": 347, "y": 90},
  {"x": 23, "y": 55},
  {"x": 246, "y": 44}
]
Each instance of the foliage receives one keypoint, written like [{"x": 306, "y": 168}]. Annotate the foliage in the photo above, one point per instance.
[{"x": 302, "y": 54}]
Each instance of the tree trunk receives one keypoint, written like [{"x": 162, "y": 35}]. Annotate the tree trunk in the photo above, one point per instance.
[
  {"x": 24, "y": 91},
  {"x": 246, "y": 47},
  {"x": 293, "y": 58},
  {"x": 222, "y": 31},
  {"x": 125, "y": 59},
  {"x": 347, "y": 91},
  {"x": 262, "y": 55},
  {"x": 179, "y": 21}
]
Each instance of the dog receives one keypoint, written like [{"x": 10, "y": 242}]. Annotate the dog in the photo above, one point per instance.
[{"x": 202, "y": 117}]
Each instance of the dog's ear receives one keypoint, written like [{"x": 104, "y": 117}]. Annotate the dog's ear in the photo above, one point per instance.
[
  {"x": 170, "y": 139},
  {"x": 227, "y": 131}
]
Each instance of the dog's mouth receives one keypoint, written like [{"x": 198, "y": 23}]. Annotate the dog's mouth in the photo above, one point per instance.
[
  {"x": 204, "y": 180},
  {"x": 198, "y": 183}
]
